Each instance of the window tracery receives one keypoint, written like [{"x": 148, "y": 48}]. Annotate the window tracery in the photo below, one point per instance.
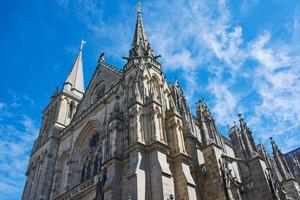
[{"x": 93, "y": 162}]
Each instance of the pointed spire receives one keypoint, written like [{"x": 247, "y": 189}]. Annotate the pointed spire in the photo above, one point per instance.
[
  {"x": 140, "y": 44},
  {"x": 280, "y": 161},
  {"x": 74, "y": 82},
  {"x": 203, "y": 108},
  {"x": 140, "y": 37},
  {"x": 247, "y": 138}
]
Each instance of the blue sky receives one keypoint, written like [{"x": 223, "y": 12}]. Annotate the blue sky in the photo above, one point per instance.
[{"x": 241, "y": 56}]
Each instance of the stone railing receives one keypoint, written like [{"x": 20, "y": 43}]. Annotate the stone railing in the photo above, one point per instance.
[{"x": 81, "y": 188}]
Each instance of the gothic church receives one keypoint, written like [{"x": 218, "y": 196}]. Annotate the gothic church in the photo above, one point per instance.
[{"x": 131, "y": 136}]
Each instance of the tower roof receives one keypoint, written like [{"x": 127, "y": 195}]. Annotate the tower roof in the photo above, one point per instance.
[
  {"x": 140, "y": 37},
  {"x": 140, "y": 45},
  {"x": 75, "y": 77}
]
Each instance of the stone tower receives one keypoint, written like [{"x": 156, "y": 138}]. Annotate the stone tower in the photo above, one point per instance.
[{"x": 56, "y": 116}]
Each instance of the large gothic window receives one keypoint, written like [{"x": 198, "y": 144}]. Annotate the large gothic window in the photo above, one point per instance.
[{"x": 93, "y": 161}]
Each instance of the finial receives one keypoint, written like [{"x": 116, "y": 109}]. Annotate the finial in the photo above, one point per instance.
[
  {"x": 81, "y": 44},
  {"x": 272, "y": 141},
  {"x": 138, "y": 8},
  {"x": 240, "y": 115},
  {"x": 101, "y": 57}
]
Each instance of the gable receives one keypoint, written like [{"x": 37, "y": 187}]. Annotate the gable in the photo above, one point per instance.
[{"x": 104, "y": 77}]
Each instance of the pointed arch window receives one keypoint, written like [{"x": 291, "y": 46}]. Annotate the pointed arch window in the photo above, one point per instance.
[
  {"x": 71, "y": 110},
  {"x": 131, "y": 89}
]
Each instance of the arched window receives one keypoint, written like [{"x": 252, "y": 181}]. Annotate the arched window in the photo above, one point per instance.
[
  {"x": 71, "y": 110},
  {"x": 131, "y": 89},
  {"x": 155, "y": 88}
]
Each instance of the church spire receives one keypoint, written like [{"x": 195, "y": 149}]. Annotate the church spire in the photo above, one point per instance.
[
  {"x": 74, "y": 82},
  {"x": 140, "y": 45},
  {"x": 280, "y": 161}
]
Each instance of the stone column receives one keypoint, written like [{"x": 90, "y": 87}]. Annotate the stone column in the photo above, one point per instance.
[
  {"x": 185, "y": 186},
  {"x": 136, "y": 175},
  {"x": 160, "y": 176},
  {"x": 212, "y": 184},
  {"x": 113, "y": 187}
]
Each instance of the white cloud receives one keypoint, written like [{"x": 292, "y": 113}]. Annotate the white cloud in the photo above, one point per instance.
[
  {"x": 277, "y": 82},
  {"x": 202, "y": 34},
  {"x": 224, "y": 102},
  {"x": 17, "y": 133}
]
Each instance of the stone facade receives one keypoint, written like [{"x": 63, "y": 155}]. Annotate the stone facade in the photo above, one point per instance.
[{"x": 131, "y": 135}]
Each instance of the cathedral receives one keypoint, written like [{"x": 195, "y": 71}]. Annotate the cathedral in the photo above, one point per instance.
[{"x": 130, "y": 135}]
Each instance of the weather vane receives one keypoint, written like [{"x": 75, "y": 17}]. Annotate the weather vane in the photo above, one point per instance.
[
  {"x": 81, "y": 44},
  {"x": 138, "y": 8}
]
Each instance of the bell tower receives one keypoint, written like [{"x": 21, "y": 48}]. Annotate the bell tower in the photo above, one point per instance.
[
  {"x": 56, "y": 116},
  {"x": 155, "y": 127}
]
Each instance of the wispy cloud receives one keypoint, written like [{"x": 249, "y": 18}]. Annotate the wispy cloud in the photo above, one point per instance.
[
  {"x": 277, "y": 82},
  {"x": 17, "y": 132}
]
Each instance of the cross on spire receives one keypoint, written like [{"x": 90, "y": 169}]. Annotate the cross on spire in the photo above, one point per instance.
[
  {"x": 140, "y": 44},
  {"x": 81, "y": 44},
  {"x": 138, "y": 8}
]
